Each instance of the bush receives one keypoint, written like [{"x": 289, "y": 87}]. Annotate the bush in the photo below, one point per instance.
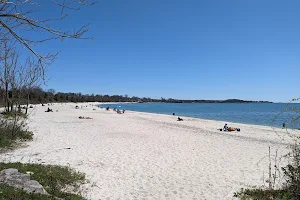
[
  {"x": 289, "y": 190},
  {"x": 12, "y": 131},
  {"x": 292, "y": 173},
  {"x": 53, "y": 178}
]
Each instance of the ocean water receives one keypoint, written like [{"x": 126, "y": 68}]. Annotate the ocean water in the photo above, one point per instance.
[{"x": 267, "y": 114}]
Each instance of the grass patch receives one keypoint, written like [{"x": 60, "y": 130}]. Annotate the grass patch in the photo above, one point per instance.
[
  {"x": 7, "y": 139},
  {"x": 13, "y": 114},
  {"x": 261, "y": 194},
  {"x": 53, "y": 178},
  {"x": 7, "y": 192},
  {"x": 12, "y": 131}
]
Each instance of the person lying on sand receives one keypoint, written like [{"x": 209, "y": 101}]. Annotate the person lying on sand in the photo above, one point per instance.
[
  {"x": 226, "y": 128},
  {"x": 230, "y": 129},
  {"x": 81, "y": 117}
]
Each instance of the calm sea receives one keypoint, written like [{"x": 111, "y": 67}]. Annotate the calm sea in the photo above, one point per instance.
[{"x": 268, "y": 114}]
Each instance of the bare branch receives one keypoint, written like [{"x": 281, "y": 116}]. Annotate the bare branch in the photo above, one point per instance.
[{"x": 16, "y": 19}]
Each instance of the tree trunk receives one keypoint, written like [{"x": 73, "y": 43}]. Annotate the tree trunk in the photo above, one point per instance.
[
  {"x": 6, "y": 97},
  {"x": 27, "y": 103},
  {"x": 19, "y": 108},
  {"x": 12, "y": 102}
]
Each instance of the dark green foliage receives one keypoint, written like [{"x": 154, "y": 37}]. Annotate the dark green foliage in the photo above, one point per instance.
[
  {"x": 261, "y": 194},
  {"x": 53, "y": 178},
  {"x": 38, "y": 95},
  {"x": 10, "y": 193}
]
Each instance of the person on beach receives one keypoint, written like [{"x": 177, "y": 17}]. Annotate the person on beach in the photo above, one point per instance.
[
  {"x": 179, "y": 119},
  {"x": 225, "y": 127},
  {"x": 49, "y": 110},
  {"x": 283, "y": 125}
]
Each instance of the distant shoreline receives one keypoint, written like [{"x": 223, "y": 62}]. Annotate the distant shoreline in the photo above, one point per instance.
[
  {"x": 262, "y": 113},
  {"x": 197, "y": 102}
]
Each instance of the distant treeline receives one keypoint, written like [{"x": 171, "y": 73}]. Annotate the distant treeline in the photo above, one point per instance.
[{"x": 38, "y": 95}]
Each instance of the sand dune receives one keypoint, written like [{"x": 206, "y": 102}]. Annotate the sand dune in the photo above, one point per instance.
[{"x": 149, "y": 156}]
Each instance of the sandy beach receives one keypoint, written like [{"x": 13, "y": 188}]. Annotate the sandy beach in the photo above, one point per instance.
[{"x": 149, "y": 156}]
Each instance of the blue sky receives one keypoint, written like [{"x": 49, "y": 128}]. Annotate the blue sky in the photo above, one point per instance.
[{"x": 190, "y": 49}]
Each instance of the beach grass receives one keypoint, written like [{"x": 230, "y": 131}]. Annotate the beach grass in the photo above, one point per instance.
[
  {"x": 52, "y": 177},
  {"x": 13, "y": 129},
  {"x": 13, "y": 114},
  {"x": 7, "y": 192},
  {"x": 262, "y": 194},
  {"x": 8, "y": 139}
]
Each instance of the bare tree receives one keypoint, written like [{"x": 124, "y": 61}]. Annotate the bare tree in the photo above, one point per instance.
[
  {"x": 8, "y": 64},
  {"x": 17, "y": 18},
  {"x": 31, "y": 76},
  {"x": 17, "y": 79}
]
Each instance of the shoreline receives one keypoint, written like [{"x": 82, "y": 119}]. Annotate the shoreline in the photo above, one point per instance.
[
  {"x": 275, "y": 127},
  {"x": 139, "y": 155}
]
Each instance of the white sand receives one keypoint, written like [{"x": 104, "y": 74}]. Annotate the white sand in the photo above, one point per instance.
[{"x": 149, "y": 156}]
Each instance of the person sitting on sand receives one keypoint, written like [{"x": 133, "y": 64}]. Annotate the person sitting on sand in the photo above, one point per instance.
[
  {"x": 179, "y": 119},
  {"x": 225, "y": 127},
  {"x": 49, "y": 110}
]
